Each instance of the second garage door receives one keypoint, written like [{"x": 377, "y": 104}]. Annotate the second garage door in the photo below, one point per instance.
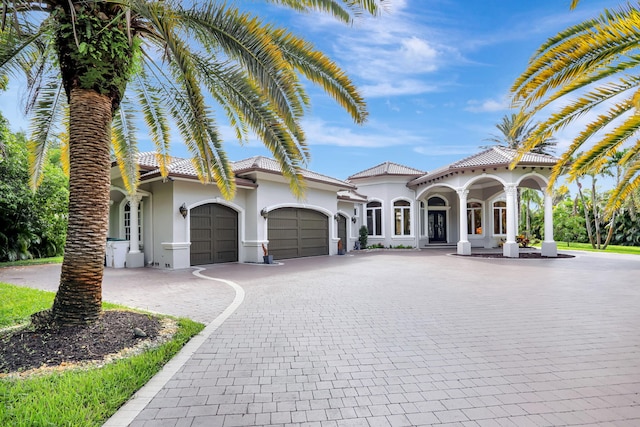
[{"x": 297, "y": 232}]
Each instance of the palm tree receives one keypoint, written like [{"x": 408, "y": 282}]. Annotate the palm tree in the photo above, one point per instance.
[
  {"x": 587, "y": 66},
  {"x": 515, "y": 129},
  {"x": 94, "y": 64}
]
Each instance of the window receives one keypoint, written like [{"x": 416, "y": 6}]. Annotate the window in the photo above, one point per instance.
[
  {"x": 374, "y": 218},
  {"x": 402, "y": 214},
  {"x": 500, "y": 217},
  {"x": 127, "y": 221},
  {"x": 474, "y": 218},
  {"x": 422, "y": 216},
  {"x": 436, "y": 201}
]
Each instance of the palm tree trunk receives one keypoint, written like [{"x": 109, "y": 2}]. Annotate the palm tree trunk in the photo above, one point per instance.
[
  {"x": 596, "y": 215},
  {"x": 610, "y": 233},
  {"x": 586, "y": 215},
  {"x": 79, "y": 297}
]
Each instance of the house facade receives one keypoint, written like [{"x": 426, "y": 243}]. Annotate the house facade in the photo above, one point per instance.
[{"x": 182, "y": 222}]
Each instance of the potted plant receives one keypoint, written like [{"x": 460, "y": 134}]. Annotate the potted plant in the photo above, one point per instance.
[
  {"x": 268, "y": 259},
  {"x": 341, "y": 250}
]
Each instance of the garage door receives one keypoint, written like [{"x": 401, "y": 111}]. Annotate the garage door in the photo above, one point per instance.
[
  {"x": 214, "y": 234},
  {"x": 297, "y": 232}
]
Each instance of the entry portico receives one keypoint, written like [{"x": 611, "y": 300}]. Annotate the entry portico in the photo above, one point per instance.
[{"x": 482, "y": 191}]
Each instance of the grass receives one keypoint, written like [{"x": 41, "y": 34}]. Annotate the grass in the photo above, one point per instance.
[
  {"x": 81, "y": 397},
  {"x": 53, "y": 260},
  {"x": 614, "y": 249}
]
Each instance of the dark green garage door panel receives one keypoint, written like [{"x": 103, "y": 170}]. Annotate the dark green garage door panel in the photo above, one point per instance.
[
  {"x": 297, "y": 232},
  {"x": 214, "y": 234}
]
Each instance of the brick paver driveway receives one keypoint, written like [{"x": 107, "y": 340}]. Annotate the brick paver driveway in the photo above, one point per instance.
[{"x": 417, "y": 338}]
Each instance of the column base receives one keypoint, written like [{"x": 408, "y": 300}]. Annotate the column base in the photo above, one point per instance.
[
  {"x": 549, "y": 249},
  {"x": 135, "y": 260},
  {"x": 464, "y": 248},
  {"x": 511, "y": 250}
]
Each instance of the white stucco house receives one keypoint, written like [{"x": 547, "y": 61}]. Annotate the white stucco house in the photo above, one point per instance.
[{"x": 182, "y": 222}]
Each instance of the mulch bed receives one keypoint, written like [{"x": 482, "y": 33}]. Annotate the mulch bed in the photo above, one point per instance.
[
  {"x": 529, "y": 255},
  {"x": 29, "y": 348}
]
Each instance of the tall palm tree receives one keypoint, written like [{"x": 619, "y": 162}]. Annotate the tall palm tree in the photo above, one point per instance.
[
  {"x": 515, "y": 129},
  {"x": 95, "y": 63},
  {"x": 590, "y": 65}
]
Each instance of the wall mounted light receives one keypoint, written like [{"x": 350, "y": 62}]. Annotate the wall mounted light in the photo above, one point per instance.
[
  {"x": 183, "y": 211},
  {"x": 336, "y": 217},
  {"x": 264, "y": 213},
  {"x": 354, "y": 219}
]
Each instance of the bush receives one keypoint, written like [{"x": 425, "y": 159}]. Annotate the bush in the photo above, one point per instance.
[
  {"x": 364, "y": 236},
  {"x": 32, "y": 225}
]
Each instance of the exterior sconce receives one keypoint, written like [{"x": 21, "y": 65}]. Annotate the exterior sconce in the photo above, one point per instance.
[
  {"x": 183, "y": 211},
  {"x": 336, "y": 217},
  {"x": 264, "y": 213},
  {"x": 354, "y": 219}
]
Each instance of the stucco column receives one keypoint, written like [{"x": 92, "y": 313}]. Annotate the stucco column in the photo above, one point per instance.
[
  {"x": 134, "y": 258},
  {"x": 549, "y": 246},
  {"x": 510, "y": 247},
  {"x": 464, "y": 247}
]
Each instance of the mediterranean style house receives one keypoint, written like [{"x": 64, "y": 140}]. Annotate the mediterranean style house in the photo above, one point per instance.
[{"x": 181, "y": 222}]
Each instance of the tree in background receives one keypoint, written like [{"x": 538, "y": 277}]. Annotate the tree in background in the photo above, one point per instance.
[
  {"x": 515, "y": 129},
  {"x": 587, "y": 66},
  {"x": 32, "y": 224},
  {"x": 169, "y": 54}
]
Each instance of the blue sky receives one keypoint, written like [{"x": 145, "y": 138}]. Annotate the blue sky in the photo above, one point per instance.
[{"x": 436, "y": 75}]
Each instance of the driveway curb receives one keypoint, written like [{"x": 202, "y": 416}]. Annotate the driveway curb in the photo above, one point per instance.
[{"x": 128, "y": 412}]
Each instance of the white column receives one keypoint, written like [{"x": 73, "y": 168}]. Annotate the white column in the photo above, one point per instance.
[
  {"x": 134, "y": 258},
  {"x": 464, "y": 247},
  {"x": 549, "y": 246},
  {"x": 510, "y": 247}
]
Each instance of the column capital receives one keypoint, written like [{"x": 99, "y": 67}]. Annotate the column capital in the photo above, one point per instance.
[
  {"x": 511, "y": 189},
  {"x": 462, "y": 192},
  {"x": 134, "y": 198}
]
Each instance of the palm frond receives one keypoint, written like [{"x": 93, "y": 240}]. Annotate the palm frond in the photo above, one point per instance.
[
  {"x": 125, "y": 145},
  {"x": 48, "y": 112},
  {"x": 154, "y": 117},
  {"x": 322, "y": 71}
]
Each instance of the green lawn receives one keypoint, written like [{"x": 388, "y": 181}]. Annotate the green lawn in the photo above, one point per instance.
[
  {"x": 615, "y": 249},
  {"x": 75, "y": 398},
  {"x": 53, "y": 260}
]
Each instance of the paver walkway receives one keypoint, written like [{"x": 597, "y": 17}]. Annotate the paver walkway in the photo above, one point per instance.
[{"x": 415, "y": 338}]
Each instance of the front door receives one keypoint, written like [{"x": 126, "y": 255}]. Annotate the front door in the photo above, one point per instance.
[{"x": 437, "y": 227}]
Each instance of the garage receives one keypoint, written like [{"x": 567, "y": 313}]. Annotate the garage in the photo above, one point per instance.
[
  {"x": 297, "y": 232},
  {"x": 214, "y": 234}
]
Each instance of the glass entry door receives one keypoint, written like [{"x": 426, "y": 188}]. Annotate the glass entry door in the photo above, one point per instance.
[{"x": 437, "y": 227}]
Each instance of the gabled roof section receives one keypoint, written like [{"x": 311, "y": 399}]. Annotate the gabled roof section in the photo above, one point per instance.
[
  {"x": 496, "y": 156},
  {"x": 268, "y": 165},
  {"x": 177, "y": 166},
  {"x": 387, "y": 168},
  {"x": 352, "y": 196}
]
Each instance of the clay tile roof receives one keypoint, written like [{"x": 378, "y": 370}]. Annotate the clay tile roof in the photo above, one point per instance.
[
  {"x": 266, "y": 164},
  {"x": 387, "y": 168},
  {"x": 178, "y": 166},
  {"x": 492, "y": 157},
  {"x": 352, "y": 196}
]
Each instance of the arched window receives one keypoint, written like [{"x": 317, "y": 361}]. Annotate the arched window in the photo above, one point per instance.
[
  {"x": 127, "y": 221},
  {"x": 402, "y": 215},
  {"x": 474, "y": 218},
  {"x": 437, "y": 201},
  {"x": 500, "y": 217},
  {"x": 374, "y": 218}
]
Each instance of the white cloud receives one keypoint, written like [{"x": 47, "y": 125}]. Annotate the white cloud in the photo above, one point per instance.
[
  {"x": 319, "y": 132},
  {"x": 486, "y": 106},
  {"x": 401, "y": 87}
]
